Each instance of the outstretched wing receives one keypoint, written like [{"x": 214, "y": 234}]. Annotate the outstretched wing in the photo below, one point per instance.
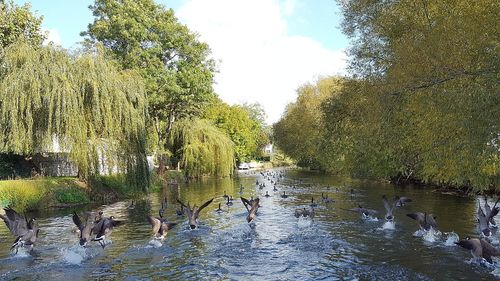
[
  {"x": 77, "y": 221},
  {"x": 419, "y": 217},
  {"x": 488, "y": 251},
  {"x": 386, "y": 205},
  {"x": 197, "y": 212},
  {"x": 155, "y": 223},
  {"x": 17, "y": 224},
  {"x": 246, "y": 203}
]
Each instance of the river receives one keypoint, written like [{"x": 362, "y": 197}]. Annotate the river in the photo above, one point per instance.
[{"x": 336, "y": 245}]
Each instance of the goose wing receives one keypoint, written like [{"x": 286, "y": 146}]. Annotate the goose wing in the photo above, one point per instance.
[
  {"x": 166, "y": 226},
  {"x": 246, "y": 203},
  {"x": 419, "y": 217},
  {"x": 483, "y": 221},
  {"x": 77, "y": 221},
  {"x": 488, "y": 250},
  {"x": 15, "y": 222},
  {"x": 197, "y": 212},
  {"x": 387, "y": 206},
  {"x": 155, "y": 223}
]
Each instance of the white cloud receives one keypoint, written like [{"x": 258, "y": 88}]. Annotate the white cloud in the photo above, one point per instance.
[
  {"x": 259, "y": 61},
  {"x": 52, "y": 36}
]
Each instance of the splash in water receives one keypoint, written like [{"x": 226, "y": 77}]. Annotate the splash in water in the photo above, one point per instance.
[
  {"x": 389, "y": 225},
  {"x": 304, "y": 222},
  {"x": 451, "y": 238},
  {"x": 74, "y": 255},
  {"x": 368, "y": 218},
  {"x": 21, "y": 252},
  {"x": 155, "y": 243}
]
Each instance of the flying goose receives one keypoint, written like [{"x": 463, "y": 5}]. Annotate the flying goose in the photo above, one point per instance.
[
  {"x": 85, "y": 228},
  {"x": 426, "y": 221},
  {"x": 160, "y": 226},
  {"x": 304, "y": 212},
  {"x": 194, "y": 212},
  {"x": 479, "y": 248},
  {"x": 389, "y": 215},
  {"x": 491, "y": 212},
  {"x": 26, "y": 232},
  {"x": 483, "y": 222},
  {"x": 364, "y": 211},
  {"x": 252, "y": 207},
  {"x": 104, "y": 227}
]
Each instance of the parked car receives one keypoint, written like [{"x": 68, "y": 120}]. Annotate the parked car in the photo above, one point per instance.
[{"x": 243, "y": 166}]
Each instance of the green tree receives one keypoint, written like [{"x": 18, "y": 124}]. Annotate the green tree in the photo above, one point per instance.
[
  {"x": 246, "y": 132},
  {"x": 202, "y": 148},
  {"x": 145, "y": 36},
  {"x": 85, "y": 103},
  {"x": 18, "y": 23},
  {"x": 300, "y": 132}
]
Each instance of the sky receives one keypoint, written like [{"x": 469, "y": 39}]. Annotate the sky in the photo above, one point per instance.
[{"x": 265, "y": 49}]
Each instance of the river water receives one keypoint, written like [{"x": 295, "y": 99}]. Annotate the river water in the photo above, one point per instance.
[{"x": 336, "y": 245}]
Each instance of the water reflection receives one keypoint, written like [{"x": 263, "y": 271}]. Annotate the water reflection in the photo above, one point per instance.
[{"x": 336, "y": 244}]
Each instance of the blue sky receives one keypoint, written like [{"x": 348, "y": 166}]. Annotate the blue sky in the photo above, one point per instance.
[{"x": 280, "y": 44}]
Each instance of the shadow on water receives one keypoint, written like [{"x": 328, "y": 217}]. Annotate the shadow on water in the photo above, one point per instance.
[{"x": 335, "y": 245}]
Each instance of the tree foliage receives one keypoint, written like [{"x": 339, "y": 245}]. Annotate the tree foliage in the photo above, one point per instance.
[
  {"x": 422, "y": 102},
  {"x": 84, "y": 103},
  {"x": 18, "y": 23},
  {"x": 145, "y": 36},
  {"x": 300, "y": 132},
  {"x": 244, "y": 126},
  {"x": 203, "y": 149}
]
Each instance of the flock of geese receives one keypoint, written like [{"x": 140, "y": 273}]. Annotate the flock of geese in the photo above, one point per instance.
[{"x": 93, "y": 226}]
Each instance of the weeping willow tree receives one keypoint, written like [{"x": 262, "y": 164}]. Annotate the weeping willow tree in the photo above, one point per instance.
[
  {"x": 203, "y": 149},
  {"x": 94, "y": 111}
]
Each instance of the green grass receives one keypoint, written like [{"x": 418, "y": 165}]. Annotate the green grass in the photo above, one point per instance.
[{"x": 42, "y": 193}]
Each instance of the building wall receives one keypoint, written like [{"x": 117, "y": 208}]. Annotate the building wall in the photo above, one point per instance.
[{"x": 55, "y": 165}]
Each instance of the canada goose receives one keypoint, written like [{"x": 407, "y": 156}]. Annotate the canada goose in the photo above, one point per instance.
[
  {"x": 312, "y": 203},
  {"x": 131, "y": 206},
  {"x": 161, "y": 211},
  {"x": 85, "y": 229},
  {"x": 426, "y": 221},
  {"x": 325, "y": 199},
  {"x": 364, "y": 211},
  {"x": 401, "y": 201},
  {"x": 483, "y": 223},
  {"x": 275, "y": 189},
  {"x": 219, "y": 210},
  {"x": 304, "y": 212},
  {"x": 389, "y": 215},
  {"x": 103, "y": 228},
  {"x": 180, "y": 211},
  {"x": 479, "y": 248},
  {"x": 225, "y": 195},
  {"x": 26, "y": 232},
  {"x": 491, "y": 212},
  {"x": 252, "y": 207},
  {"x": 160, "y": 226},
  {"x": 229, "y": 203},
  {"x": 267, "y": 194},
  {"x": 284, "y": 195},
  {"x": 194, "y": 212}
]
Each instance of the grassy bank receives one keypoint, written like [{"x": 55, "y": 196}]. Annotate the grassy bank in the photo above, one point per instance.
[{"x": 43, "y": 193}]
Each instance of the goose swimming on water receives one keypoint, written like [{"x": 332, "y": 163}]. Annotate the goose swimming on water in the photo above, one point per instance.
[
  {"x": 313, "y": 204},
  {"x": 194, "y": 212},
  {"x": 26, "y": 232}
]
